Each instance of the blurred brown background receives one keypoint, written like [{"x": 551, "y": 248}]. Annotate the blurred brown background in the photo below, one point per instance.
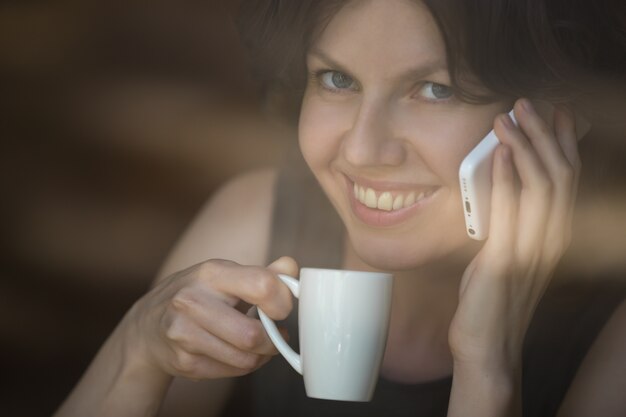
[{"x": 117, "y": 121}]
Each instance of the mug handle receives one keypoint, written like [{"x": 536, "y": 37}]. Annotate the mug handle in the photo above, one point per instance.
[{"x": 292, "y": 357}]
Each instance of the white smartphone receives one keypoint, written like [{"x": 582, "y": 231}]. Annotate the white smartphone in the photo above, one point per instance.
[
  {"x": 475, "y": 179},
  {"x": 475, "y": 173}
]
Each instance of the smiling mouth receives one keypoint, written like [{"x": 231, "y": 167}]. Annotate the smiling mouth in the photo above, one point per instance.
[{"x": 390, "y": 200}]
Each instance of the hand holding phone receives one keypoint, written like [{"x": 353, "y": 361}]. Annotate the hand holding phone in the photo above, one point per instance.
[
  {"x": 475, "y": 174},
  {"x": 475, "y": 179}
]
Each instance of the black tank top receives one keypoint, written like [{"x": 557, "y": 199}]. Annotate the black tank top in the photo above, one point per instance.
[{"x": 306, "y": 227}]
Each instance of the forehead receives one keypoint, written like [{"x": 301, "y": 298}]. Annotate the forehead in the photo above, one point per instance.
[{"x": 395, "y": 34}]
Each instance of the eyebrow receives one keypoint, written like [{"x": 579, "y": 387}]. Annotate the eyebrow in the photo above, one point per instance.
[{"x": 429, "y": 67}]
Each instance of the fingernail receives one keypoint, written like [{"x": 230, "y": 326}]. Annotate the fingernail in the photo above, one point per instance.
[
  {"x": 506, "y": 121},
  {"x": 527, "y": 105}
]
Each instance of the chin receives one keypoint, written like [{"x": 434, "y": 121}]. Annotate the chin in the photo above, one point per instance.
[{"x": 394, "y": 254}]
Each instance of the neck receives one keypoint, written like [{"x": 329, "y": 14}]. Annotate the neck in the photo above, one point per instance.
[
  {"x": 420, "y": 293},
  {"x": 424, "y": 301}
]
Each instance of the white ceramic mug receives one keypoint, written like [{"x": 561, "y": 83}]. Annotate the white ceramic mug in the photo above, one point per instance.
[{"x": 343, "y": 323}]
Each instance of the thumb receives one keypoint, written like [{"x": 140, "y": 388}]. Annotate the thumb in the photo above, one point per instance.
[{"x": 284, "y": 265}]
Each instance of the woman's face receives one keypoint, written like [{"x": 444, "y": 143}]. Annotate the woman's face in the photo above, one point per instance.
[{"x": 385, "y": 136}]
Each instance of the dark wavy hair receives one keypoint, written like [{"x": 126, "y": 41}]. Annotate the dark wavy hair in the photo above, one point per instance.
[
  {"x": 550, "y": 49},
  {"x": 570, "y": 51}
]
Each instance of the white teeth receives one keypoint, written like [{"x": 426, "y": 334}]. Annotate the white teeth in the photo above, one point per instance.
[
  {"x": 370, "y": 198},
  {"x": 385, "y": 202},
  {"x": 410, "y": 199},
  {"x": 397, "y": 203}
]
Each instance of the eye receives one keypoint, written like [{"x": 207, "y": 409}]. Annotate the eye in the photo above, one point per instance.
[
  {"x": 335, "y": 80},
  {"x": 434, "y": 91}
]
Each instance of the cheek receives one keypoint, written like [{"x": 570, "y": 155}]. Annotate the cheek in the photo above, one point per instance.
[
  {"x": 443, "y": 140},
  {"x": 442, "y": 147},
  {"x": 313, "y": 133},
  {"x": 320, "y": 130}
]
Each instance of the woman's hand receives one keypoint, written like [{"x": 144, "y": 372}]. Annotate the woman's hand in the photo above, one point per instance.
[
  {"x": 535, "y": 177},
  {"x": 193, "y": 323}
]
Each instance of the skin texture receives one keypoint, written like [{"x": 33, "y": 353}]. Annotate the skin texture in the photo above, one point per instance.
[
  {"x": 375, "y": 111},
  {"x": 192, "y": 325},
  {"x": 386, "y": 129},
  {"x": 374, "y": 125}
]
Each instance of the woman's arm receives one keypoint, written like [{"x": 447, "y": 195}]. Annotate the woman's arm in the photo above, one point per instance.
[
  {"x": 249, "y": 243},
  {"x": 133, "y": 370},
  {"x": 118, "y": 382},
  {"x": 535, "y": 176},
  {"x": 598, "y": 387}
]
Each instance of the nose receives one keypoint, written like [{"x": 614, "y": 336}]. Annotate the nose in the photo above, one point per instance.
[{"x": 369, "y": 141}]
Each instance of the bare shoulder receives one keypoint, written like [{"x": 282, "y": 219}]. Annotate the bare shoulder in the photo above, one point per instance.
[
  {"x": 598, "y": 388},
  {"x": 234, "y": 224}
]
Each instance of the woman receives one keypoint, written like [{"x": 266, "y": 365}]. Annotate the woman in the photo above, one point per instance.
[{"x": 396, "y": 94}]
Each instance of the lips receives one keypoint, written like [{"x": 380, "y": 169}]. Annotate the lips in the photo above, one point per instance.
[
  {"x": 389, "y": 200},
  {"x": 386, "y": 204}
]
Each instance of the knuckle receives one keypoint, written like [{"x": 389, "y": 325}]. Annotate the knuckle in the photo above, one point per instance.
[
  {"x": 250, "y": 361},
  {"x": 173, "y": 333},
  {"x": 209, "y": 269},
  {"x": 266, "y": 286},
  {"x": 177, "y": 334},
  {"x": 565, "y": 173},
  {"x": 183, "y": 301},
  {"x": 543, "y": 187},
  {"x": 272, "y": 295},
  {"x": 184, "y": 363},
  {"x": 252, "y": 336}
]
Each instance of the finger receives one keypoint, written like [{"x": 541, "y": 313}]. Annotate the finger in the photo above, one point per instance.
[
  {"x": 284, "y": 265},
  {"x": 559, "y": 232},
  {"x": 187, "y": 336},
  {"x": 566, "y": 134},
  {"x": 542, "y": 138},
  {"x": 535, "y": 195},
  {"x": 504, "y": 207},
  {"x": 254, "y": 285},
  {"x": 550, "y": 150},
  {"x": 217, "y": 318},
  {"x": 243, "y": 332},
  {"x": 565, "y": 125},
  {"x": 198, "y": 367},
  {"x": 559, "y": 168}
]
